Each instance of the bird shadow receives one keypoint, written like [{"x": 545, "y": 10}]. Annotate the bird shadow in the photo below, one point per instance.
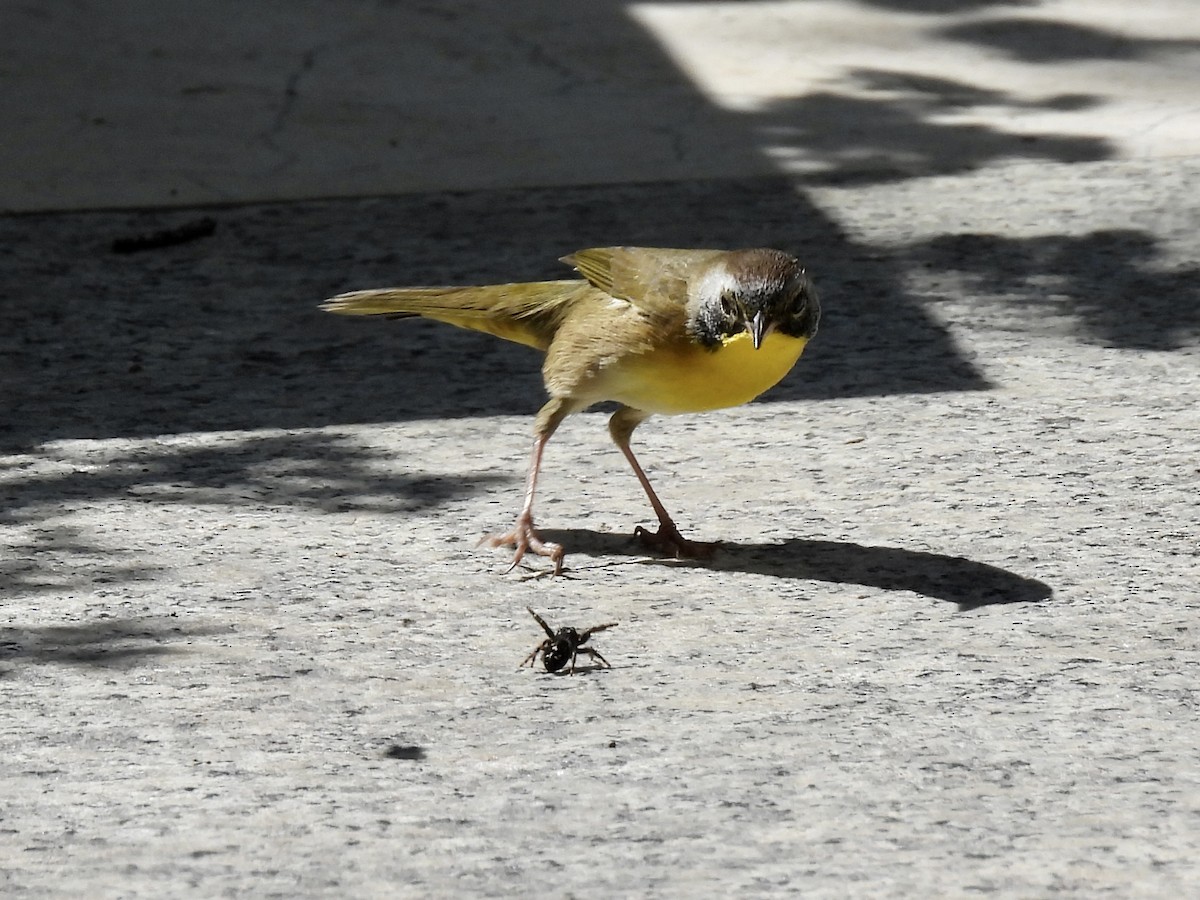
[{"x": 968, "y": 583}]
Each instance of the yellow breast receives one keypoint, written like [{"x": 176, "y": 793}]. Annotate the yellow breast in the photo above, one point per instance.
[{"x": 685, "y": 377}]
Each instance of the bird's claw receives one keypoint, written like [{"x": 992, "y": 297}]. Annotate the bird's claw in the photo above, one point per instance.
[
  {"x": 668, "y": 541},
  {"x": 524, "y": 539}
]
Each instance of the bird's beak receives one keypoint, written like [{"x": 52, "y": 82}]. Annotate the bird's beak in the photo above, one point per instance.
[{"x": 757, "y": 327}]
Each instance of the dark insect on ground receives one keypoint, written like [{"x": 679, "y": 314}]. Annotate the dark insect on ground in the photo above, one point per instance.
[{"x": 564, "y": 645}]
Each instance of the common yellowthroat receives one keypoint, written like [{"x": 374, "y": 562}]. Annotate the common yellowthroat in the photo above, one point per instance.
[{"x": 656, "y": 330}]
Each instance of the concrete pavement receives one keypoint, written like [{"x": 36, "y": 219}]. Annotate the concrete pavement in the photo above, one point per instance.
[
  {"x": 251, "y": 647},
  {"x": 125, "y": 104}
]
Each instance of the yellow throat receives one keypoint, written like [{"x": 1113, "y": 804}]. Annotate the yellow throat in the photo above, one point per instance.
[{"x": 684, "y": 377}]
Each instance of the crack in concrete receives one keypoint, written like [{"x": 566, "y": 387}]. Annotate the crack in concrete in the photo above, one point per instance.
[{"x": 291, "y": 91}]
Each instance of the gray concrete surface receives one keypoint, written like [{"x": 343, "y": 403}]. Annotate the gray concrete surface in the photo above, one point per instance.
[
  {"x": 251, "y": 647},
  {"x": 123, "y": 103}
]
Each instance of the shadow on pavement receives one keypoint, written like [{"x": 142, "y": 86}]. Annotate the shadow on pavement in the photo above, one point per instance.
[
  {"x": 56, "y": 557},
  {"x": 320, "y": 472},
  {"x": 965, "y": 582},
  {"x": 1118, "y": 283},
  {"x": 908, "y": 135},
  {"x": 224, "y": 333},
  {"x": 314, "y": 470},
  {"x": 1046, "y": 41},
  {"x": 101, "y": 643}
]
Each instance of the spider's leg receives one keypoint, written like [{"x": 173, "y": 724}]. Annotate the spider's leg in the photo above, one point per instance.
[
  {"x": 546, "y": 628},
  {"x": 595, "y": 654},
  {"x": 531, "y": 659},
  {"x": 589, "y": 632}
]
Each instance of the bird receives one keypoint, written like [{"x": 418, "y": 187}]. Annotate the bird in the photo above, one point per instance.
[{"x": 657, "y": 330}]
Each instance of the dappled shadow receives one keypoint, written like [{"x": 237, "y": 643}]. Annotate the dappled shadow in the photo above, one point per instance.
[
  {"x": 1048, "y": 41},
  {"x": 316, "y": 471},
  {"x": 102, "y": 643},
  {"x": 884, "y": 126},
  {"x": 954, "y": 579},
  {"x": 58, "y": 557},
  {"x": 321, "y": 471},
  {"x": 224, "y": 333},
  {"x": 927, "y": 95},
  {"x": 1117, "y": 282}
]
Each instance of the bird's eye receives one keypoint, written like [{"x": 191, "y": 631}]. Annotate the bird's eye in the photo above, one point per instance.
[{"x": 729, "y": 307}]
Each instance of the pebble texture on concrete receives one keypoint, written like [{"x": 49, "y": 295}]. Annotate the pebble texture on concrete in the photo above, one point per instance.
[
  {"x": 950, "y": 647},
  {"x": 250, "y": 647}
]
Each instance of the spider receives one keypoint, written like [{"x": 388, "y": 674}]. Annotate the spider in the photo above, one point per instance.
[{"x": 563, "y": 645}]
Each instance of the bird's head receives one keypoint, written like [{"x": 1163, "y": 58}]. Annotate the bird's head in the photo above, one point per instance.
[{"x": 753, "y": 291}]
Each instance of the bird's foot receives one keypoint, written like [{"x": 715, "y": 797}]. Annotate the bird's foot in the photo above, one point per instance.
[
  {"x": 667, "y": 540},
  {"x": 525, "y": 539}
]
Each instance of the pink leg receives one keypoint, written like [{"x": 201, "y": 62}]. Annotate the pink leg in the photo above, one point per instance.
[
  {"x": 523, "y": 536},
  {"x": 667, "y": 539}
]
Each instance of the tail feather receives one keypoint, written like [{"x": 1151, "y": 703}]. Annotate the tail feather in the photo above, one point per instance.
[
  {"x": 416, "y": 301},
  {"x": 528, "y": 313}
]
